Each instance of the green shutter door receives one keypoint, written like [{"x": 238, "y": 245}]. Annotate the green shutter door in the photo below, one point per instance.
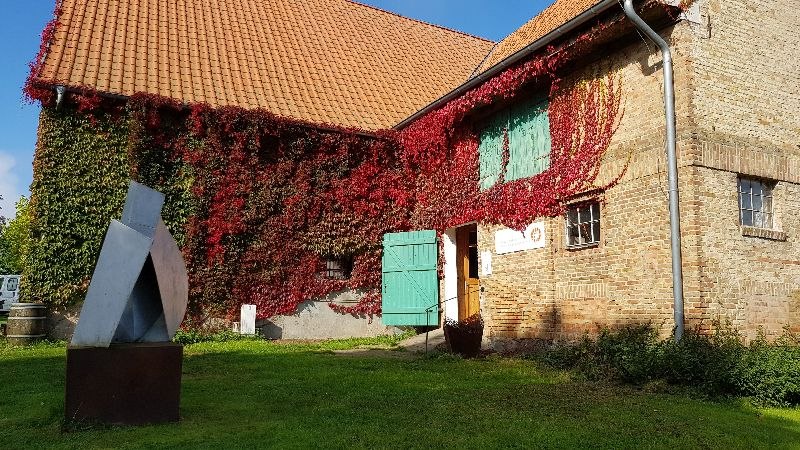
[
  {"x": 529, "y": 140},
  {"x": 410, "y": 279}
]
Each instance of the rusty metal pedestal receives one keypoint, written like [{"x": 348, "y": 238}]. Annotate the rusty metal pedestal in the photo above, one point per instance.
[{"x": 125, "y": 384}]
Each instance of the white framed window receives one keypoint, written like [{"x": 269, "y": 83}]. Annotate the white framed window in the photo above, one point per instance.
[
  {"x": 583, "y": 225},
  {"x": 755, "y": 203}
]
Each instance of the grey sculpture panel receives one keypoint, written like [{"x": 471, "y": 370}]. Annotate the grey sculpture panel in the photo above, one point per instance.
[
  {"x": 143, "y": 309},
  {"x": 122, "y": 257},
  {"x": 142, "y": 210},
  {"x": 173, "y": 282},
  {"x": 140, "y": 287}
]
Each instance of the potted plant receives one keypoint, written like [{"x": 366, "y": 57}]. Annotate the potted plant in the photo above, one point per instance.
[{"x": 464, "y": 336}]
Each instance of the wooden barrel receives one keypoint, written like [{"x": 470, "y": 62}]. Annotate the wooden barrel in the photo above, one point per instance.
[{"x": 26, "y": 323}]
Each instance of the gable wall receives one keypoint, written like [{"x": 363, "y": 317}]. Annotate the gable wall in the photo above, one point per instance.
[
  {"x": 747, "y": 66},
  {"x": 556, "y": 293},
  {"x": 734, "y": 115}
]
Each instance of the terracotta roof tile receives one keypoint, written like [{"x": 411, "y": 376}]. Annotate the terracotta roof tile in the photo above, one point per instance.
[
  {"x": 327, "y": 61},
  {"x": 556, "y": 15}
]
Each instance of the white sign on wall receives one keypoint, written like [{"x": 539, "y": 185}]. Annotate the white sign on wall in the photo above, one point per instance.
[
  {"x": 510, "y": 241},
  {"x": 248, "y": 320},
  {"x": 486, "y": 263}
]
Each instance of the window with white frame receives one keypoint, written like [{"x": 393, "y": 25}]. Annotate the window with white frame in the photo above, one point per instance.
[
  {"x": 583, "y": 225},
  {"x": 755, "y": 203}
]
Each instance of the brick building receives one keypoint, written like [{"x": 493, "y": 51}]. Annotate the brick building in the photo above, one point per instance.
[
  {"x": 606, "y": 261},
  {"x": 737, "y": 94}
]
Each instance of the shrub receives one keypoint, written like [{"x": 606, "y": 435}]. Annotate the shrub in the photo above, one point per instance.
[
  {"x": 15, "y": 239},
  {"x": 187, "y": 337},
  {"x": 719, "y": 364},
  {"x": 464, "y": 337},
  {"x": 632, "y": 354},
  {"x": 770, "y": 373}
]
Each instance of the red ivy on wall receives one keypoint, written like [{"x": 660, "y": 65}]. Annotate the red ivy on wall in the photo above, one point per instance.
[
  {"x": 271, "y": 198},
  {"x": 32, "y": 91},
  {"x": 442, "y": 149},
  {"x": 275, "y": 198}
]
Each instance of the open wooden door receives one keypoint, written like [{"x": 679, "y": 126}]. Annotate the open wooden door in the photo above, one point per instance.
[{"x": 467, "y": 265}]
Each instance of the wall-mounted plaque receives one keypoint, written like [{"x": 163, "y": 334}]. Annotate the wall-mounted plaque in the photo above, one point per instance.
[{"x": 510, "y": 241}]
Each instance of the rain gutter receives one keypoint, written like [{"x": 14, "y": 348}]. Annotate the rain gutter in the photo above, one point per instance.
[{"x": 672, "y": 165}]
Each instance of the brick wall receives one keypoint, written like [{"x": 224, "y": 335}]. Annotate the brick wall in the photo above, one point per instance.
[
  {"x": 747, "y": 93},
  {"x": 733, "y": 117}
]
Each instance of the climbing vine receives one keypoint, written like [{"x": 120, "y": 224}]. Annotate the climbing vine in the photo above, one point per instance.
[
  {"x": 33, "y": 91},
  {"x": 260, "y": 204}
]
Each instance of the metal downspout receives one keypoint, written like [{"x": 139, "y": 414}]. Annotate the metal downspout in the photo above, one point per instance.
[
  {"x": 672, "y": 166},
  {"x": 60, "y": 91}
]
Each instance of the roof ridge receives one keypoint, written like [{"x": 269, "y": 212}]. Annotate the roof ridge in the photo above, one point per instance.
[
  {"x": 534, "y": 18},
  {"x": 477, "y": 69},
  {"x": 464, "y": 33},
  {"x": 548, "y": 19}
]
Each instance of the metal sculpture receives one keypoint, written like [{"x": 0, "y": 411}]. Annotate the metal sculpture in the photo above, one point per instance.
[{"x": 139, "y": 289}]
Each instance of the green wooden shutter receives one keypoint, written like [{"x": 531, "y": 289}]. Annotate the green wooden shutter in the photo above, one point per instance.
[
  {"x": 529, "y": 140},
  {"x": 490, "y": 150},
  {"x": 410, "y": 279}
]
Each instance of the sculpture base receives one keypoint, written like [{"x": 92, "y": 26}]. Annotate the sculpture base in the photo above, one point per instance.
[{"x": 125, "y": 384}]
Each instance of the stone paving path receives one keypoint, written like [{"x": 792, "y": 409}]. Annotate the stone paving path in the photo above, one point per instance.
[{"x": 407, "y": 349}]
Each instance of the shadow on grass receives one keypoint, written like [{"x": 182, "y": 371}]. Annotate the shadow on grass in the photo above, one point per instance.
[{"x": 266, "y": 396}]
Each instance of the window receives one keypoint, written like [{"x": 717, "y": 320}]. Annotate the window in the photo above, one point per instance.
[
  {"x": 339, "y": 268},
  {"x": 583, "y": 225},
  {"x": 473, "y": 253},
  {"x": 755, "y": 203},
  {"x": 12, "y": 284},
  {"x": 527, "y": 126}
]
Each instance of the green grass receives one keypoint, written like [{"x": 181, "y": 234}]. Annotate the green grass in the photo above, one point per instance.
[{"x": 249, "y": 394}]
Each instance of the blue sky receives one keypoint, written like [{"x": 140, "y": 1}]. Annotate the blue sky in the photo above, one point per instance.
[{"x": 22, "y": 22}]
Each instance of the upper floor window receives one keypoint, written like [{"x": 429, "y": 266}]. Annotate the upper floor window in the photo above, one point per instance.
[
  {"x": 583, "y": 225},
  {"x": 527, "y": 127},
  {"x": 755, "y": 203}
]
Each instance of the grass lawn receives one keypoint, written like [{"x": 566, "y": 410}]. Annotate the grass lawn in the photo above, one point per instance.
[{"x": 251, "y": 394}]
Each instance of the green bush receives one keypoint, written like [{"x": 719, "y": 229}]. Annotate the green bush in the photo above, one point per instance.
[
  {"x": 710, "y": 363},
  {"x": 770, "y": 373},
  {"x": 187, "y": 337},
  {"x": 719, "y": 364},
  {"x": 631, "y": 354}
]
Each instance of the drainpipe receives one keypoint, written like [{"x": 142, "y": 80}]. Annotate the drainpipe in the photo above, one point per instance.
[
  {"x": 672, "y": 166},
  {"x": 60, "y": 91}
]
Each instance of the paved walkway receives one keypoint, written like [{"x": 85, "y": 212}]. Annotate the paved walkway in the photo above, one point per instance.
[
  {"x": 416, "y": 343},
  {"x": 407, "y": 349}
]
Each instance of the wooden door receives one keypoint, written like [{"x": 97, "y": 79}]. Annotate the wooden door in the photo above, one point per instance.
[{"x": 467, "y": 265}]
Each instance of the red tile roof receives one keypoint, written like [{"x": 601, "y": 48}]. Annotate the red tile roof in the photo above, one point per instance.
[
  {"x": 556, "y": 15},
  {"x": 325, "y": 61}
]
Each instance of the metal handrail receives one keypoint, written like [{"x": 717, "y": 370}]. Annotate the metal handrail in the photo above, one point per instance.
[{"x": 439, "y": 304}]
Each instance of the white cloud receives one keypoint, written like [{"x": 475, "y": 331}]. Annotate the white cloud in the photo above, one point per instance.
[{"x": 8, "y": 185}]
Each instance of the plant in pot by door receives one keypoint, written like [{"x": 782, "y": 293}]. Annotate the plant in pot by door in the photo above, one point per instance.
[{"x": 464, "y": 336}]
